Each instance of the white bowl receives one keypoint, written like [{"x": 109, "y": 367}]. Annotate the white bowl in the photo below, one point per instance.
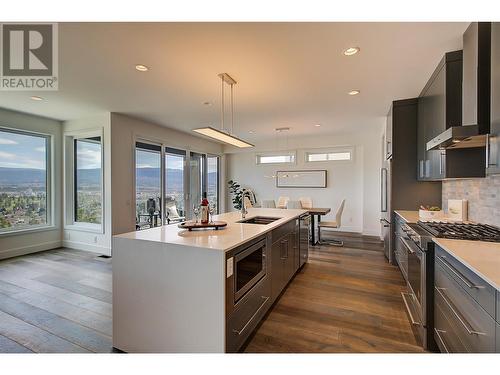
[{"x": 430, "y": 215}]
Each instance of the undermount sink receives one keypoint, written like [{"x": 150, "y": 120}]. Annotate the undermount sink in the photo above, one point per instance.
[{"x": 264, "y": 220}]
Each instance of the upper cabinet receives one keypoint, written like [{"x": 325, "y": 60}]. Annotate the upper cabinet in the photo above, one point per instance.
[
  {"x": 439, "y": 108},
  {"x": 493, "y": 144}
]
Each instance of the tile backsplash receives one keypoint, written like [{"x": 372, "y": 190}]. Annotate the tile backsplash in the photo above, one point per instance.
[{"x": 482, "y": 194}]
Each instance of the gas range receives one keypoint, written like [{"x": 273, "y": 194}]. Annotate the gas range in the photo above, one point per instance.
[
  {"x": 422, "y": 232},
  {"x": 462, "y": 231}
]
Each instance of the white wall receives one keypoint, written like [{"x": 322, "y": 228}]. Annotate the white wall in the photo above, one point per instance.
[
  {"x": 124, "y": 132},
  {"x": 19, "y": 244},
  {"x": 357, "y": 181},
  {"x": 80, "y": 238}
]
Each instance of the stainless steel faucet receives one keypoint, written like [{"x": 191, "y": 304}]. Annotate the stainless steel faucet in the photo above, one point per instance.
[{"x": 243, "y": 208}]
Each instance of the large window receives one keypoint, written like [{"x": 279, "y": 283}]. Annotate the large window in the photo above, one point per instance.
[
  {"x": 24, "y": 180},
  {"x": 213, "y": 180},
  {"x": 88, "y": 180},
  {"x": 148, "y": 185}
]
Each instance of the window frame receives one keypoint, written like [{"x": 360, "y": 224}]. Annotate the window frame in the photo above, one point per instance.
[
  {"x": 69, "y": 180},
  {"x": 293, "y": 154},
  {"x": 49, "y": 182},
  {"x": 218, "y": 180},
  {"x": 334, "y": 150}
]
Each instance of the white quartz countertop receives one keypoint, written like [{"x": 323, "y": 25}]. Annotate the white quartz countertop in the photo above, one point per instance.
[
  {"x": 408, "y": 216},
  {"x": 481, "y": 257},
  {"x": 224, "y": 239}
]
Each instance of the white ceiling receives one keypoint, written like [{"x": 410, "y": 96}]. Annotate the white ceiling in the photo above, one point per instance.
[{"x": 289, "y": 74}]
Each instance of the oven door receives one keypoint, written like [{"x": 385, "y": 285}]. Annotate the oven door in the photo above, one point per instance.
[
  {"x": 416, "y": 274},
  {"x": 249, "y": 268}
]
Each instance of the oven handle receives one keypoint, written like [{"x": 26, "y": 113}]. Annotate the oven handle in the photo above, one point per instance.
[
  {"x": 469, "y": 284},
  {"x": 403, "y": 240},
  {"x": 462, "y": 320},
  {"x": 413, "y": 321},
  {"x": 252, "y": 317},
  {"x": 438, "y": 334}
]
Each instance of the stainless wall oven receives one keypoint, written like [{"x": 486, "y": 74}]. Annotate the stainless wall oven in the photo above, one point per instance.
[{"x": 249, "y": 267}]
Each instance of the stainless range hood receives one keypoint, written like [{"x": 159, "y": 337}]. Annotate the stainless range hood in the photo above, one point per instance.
[
  {"x": 453, "y": 137},
  {"x": 475, "y": 93}
]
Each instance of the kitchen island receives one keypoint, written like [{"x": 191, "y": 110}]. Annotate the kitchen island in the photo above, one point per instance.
[{"x": 201, "y": 291}]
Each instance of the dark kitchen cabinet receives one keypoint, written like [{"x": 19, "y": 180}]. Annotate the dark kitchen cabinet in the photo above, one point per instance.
[
  {"x": 493, "y": 139},
  {"x": 439, "y": 108},
  {"x": 283, "y": 261}
]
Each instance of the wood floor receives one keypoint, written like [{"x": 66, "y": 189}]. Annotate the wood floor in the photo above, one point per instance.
[{"x": 344, "y": 300}]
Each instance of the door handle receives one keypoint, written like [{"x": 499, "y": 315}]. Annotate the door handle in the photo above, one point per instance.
[
  {"x": 413, "y": 321},
  {"x": 239, "y": 332},
  {"x": 406, "y": 245},
  {"x": 438, "y": 334}
]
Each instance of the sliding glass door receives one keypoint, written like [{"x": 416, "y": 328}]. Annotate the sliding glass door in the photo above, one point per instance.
[
  {"x": 213, "y": 163},
  {"x": 148, "y": 182},
  {"x": 175, "y": 194},
  {"x": 197, "y": 177},
  {"x": 170, "y": 181}
]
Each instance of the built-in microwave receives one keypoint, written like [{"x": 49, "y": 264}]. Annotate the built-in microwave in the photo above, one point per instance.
[{"x": 249, "y": 268}]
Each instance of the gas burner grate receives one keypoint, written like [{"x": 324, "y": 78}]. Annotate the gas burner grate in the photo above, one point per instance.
[{"x": 462, "y": 231}]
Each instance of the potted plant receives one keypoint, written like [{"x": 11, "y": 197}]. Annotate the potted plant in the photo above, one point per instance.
[{"x": 236, "y": 192}]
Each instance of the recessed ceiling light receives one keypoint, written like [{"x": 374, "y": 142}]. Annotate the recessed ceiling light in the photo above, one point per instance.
[
  {"x": 317, "y": 125},
  {"x": 354, "y": 92},
  {"x": 207, "y": 103},
  {"x": 251, "y": 131},
  {"x": 36, "y": 98},
  {"x": 141, "y": 68},
  {"x": 351, "y": 51}
]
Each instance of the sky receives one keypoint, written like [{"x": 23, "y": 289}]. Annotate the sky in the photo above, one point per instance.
[
  {"x": 22, "y": 151},
  {"x": 151, "y": 159}
]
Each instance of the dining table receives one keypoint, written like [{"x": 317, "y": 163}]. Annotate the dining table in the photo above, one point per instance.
[{"x": 316, "y": 213}]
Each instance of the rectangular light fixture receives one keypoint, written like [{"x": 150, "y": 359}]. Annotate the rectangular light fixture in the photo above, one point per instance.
[{"x": 223, "y": 137}]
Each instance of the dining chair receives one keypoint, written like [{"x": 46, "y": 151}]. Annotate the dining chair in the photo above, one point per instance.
[
  {"x": 293, "y": 205},
  {"x": 268, "y": 204},
  {"x": 332, "y": 224},
  {"x": 282, "y": 202},
  {"x": 306, "y": 202}
]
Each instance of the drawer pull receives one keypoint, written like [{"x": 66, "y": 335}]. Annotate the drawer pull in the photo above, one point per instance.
[
  {"x": 462, "y": 320},
  {"x": 252, "y": 317},
  {"x": 438, "y": 334},
  {"x": 442, "y": 258},
  {"x": 413, "y": 321}
]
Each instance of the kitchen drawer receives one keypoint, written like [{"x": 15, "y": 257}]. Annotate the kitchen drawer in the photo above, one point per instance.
[
  {"x": 445, "y": 333},
  {"x": 475, "y": 286},
  {"x": 474, "y": 326},
  {"x": 283, "y": 230},
  {"x": 248, "y": 313}
]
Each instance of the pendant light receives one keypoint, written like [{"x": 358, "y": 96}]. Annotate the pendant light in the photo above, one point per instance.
[{"x": 222, "y": 135}]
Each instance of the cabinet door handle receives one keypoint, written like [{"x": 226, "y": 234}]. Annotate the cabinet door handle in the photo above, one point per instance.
[
  {"x": 462, "y": 320},
  {"x": 252, "y": 317},
  {"x": 438, "y": 334},
  {"x": 462, "y": 278},
  {"x": 284, "y": 250}
]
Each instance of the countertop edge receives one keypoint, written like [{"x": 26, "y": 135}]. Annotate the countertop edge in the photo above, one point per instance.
[
  {"x": 265, "y": 231},
  {"x": 465, "y": 263}
]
